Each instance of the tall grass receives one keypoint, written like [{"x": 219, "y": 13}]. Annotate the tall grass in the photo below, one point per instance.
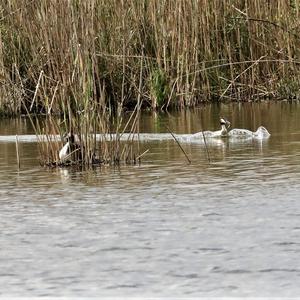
[
  {"x": 79, "y": 54},
  {"x": 87, "y": 61},
  {"x": 90, "y": 148}
]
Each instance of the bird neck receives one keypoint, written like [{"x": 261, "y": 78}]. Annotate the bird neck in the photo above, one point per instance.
[{"x": 223, "y": 129}]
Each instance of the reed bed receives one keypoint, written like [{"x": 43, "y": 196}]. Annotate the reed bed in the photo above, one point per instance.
[
  {"x": 165, "y": 53},
  {"x": 88, "y": 61},
  {"x": 95, "y": 143}
]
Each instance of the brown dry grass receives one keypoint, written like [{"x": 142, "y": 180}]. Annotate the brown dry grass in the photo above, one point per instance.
[
  {"x": 88, "y": 60},
  {"x": 70, "y": 53}
]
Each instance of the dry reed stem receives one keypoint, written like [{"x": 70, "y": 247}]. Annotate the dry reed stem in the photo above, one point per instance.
[
  {"x": 17, "y": 152},
  {"x": 177, "y": 142}
]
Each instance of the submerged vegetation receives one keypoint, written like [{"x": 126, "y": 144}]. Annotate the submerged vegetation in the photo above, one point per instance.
[{"x": 89, "y": 60}]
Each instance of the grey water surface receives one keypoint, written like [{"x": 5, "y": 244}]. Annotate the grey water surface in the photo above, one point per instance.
[{"x": 164, "y": 228}]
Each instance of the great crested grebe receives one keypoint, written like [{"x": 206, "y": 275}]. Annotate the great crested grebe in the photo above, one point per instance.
[
  {"x": 70, "y": 147},
  {"x": 225, "y": 124},
  {"x": 260, "y": 133},
  {"x": 218, "y": 133}
]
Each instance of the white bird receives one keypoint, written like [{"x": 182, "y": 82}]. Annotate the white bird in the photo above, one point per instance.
[
  {"x": 218, "y": 133},
  {"x": 68, "y": 148},
  {"x": 64, "y": 151},
  {"x": 260, "y": 133}
]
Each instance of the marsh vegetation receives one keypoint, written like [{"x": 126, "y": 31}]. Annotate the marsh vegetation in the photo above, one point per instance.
[
  {"x": 90, "y": 60},
  {"x": 58, "y": 55}
]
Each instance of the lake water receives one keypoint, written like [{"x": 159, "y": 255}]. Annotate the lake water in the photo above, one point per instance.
[{"x": 165, "y": 228}]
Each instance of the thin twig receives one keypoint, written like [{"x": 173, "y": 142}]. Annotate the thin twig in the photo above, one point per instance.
[
  {"x": 36, "y": 90},
  {"x": 70, "y": 154},
  {"x": 282, "y": 61},
  {"x": 17, "y": 152},
  {"x": 239, "y": 75},
  {"x": 141, "y": 155},
  {"x": 174, "y": 137},
  {"x": 204, "y": 139},
  {"x": 53, "y": 96}
]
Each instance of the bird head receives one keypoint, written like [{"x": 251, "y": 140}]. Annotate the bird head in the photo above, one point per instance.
[
  {"x": 225, "y": 122},
  {"x": 69, "y": 137}
]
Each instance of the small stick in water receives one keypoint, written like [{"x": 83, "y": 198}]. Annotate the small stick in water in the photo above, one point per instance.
[
  {"x": 174, "y": 137},
  {"x": 140, "y": 156},
  {"x": 17, "y": 152},
  {"x": 205, "y": 143}
]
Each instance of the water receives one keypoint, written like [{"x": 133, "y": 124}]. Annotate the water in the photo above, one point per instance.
[{"x": 165, "y": 228}]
